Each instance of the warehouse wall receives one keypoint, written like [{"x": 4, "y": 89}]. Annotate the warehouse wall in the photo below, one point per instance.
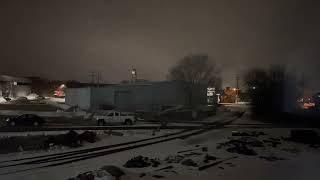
[
  {"x": 150, "y": 97},
  {"x": 135, "y": 97},
  {"x": 80, "y": 97},
  {"x": 102, "y": 96},
  {"x": 21, "y": 90}
]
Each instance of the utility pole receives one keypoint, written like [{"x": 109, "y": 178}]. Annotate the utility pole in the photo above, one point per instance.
[
  {"x": 93, "y": 76},
  {"x": 237, "y": 81},
  {"x": 98, "y": 78},
  {"x": 134, "y": 75},
  {"x": 237, "y": 88}
]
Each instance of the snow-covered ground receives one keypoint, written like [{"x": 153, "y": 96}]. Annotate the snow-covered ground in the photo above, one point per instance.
[
  {"x": 301, "y": 163},
  {"x": 298, "y": 161}
]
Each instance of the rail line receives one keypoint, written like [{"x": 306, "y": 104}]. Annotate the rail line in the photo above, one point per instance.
[
  {"x": 80, "y": 155},
  {"x": 88, "y": 128}
]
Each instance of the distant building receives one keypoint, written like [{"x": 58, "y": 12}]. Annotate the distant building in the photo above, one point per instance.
[
  {"x": 11, "y": 86},
  {"x": 148, "y": 97},
  {"x": 229, "y": 95}
]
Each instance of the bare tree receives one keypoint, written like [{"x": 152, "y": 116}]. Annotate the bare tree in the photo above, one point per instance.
[{"x": 196, "y": 69}]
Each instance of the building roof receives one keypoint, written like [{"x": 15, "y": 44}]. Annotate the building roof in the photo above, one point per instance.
[{"x": 5, "y": 78}]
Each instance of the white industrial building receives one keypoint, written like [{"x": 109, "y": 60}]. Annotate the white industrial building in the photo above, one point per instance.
[
  {"x": 148, "y": 97},
  {"x": 11, "y": 86}
]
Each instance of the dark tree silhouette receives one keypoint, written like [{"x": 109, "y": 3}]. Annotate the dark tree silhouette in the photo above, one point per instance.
[
  {"x": 196, "y": 70},
  {"x": 271, "y": 90}
]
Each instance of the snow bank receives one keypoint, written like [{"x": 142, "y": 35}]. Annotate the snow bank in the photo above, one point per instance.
[
  {"x": 2, "y": 100},
  {"x": 32, "y": 96}
]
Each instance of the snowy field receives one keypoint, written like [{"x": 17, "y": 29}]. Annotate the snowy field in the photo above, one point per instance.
[
  {"x": 295, "y": 161},
  {"x": 268, "y": 155}
]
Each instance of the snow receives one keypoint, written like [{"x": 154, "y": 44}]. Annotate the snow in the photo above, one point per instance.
[
  {"x": 105, "y": 139},
  {"x": 35, "y": 133},
  {"x": 2, "y": 100},
  {"x": 57, "y": 102},
  {"x": 32, "y": 96},
  {"x": 303, "y": 165}
]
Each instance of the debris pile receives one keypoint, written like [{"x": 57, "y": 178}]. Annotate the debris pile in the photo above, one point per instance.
[
  {"x": 141, "y": 162},
  {"x": 88, "y": 136},
  {"x": 242, "y": 145},
  {"x": 208, "y": 158},
  {"x": 113, "y": 171},
  {"x": 242, "y": 149},
  {"x": 70, "y": 139},
  {"x": 203, "y": 149},
  {"x": 201, "y": 168},
  {"x": 192, "y": 154},
  {"x": 271, "y": 158},
  {"x": 292, "y": 150},
  {"x": 189, "y": 162},
  {"x": 158, "y": 176},
  {"x": 84, "y": 176},
  {"x": 174, "y": 159},
  {"x": 251, "y": 133},
  {"x": 274, "y": 142},
  {"x": 106, "y": 172}
]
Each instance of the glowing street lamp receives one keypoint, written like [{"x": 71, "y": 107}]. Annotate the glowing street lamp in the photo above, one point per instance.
[{"x": 133, "y": 72}]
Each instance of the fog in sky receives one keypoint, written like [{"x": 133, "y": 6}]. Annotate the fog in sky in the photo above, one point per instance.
[{"x": 66, "y": 39}]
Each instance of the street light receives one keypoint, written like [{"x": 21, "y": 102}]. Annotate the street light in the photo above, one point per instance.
[{"x": 133, "y": 72}]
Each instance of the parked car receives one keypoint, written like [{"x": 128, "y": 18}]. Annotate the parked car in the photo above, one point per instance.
[
  {"x": 115, "y": 117},
  {"x": 25, "y": 120}
]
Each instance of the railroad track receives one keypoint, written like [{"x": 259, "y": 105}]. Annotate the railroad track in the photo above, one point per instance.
[
  {"x": 57, "y": 159},
  {"x": 88, "y": 128},
  {"x": 182, "y": 127}
]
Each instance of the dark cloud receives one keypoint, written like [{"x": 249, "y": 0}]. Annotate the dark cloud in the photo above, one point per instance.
[{"x": 67, "y": 39}]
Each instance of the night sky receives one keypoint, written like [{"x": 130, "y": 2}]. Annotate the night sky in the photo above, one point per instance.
[{"x": 64, "y": 39}]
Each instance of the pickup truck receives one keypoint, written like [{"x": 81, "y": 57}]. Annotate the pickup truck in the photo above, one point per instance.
[{"x": 115, "y": 117}]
